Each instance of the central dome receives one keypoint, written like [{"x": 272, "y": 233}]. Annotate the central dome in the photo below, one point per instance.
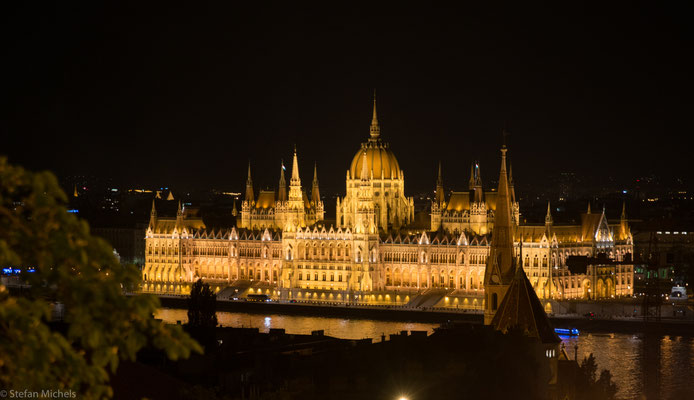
[{"x": 379, "y": 159}]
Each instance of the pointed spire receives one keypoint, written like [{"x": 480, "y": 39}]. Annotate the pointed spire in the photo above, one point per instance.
[
  {"x": 440, "y": 195},
  {"x": 471, "y": 183},
  {"x": 234, "y": 211},
  {"x": 479, "y": 193},
  {"x": 588, "y": 212},
  {"x": 295, "y": 181},
  {"x": 282, "y": 193},
  {"x": 153, "y": 217},
  {"x": 179, "y": 213},
  {"x": 548, "y": 217},
  {"x": 315, "y": 193},
  {"x": 623, "y": 223},
  {"x": 75, "y": 194},
  {"x": 375, "y": 130},
  {"x": 478, "y": 174},
  {"x": 501, "y": 256},
  {"x": 249, "y": 186}
]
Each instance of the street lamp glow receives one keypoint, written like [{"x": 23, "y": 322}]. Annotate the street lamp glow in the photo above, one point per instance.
[{"x": 403, "y": 398}]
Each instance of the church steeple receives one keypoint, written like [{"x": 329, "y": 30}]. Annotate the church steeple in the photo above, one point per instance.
[
  {"x": 315, "y": 193},
  {"x": 588, "y": 212},
  {"x": 374, "y": 130},
  {"x": 282, "y": 192},
  {"x": 249, "y": 186},
  {"x": 501, "y": 263},
  {"x": 179, "y": 213}
]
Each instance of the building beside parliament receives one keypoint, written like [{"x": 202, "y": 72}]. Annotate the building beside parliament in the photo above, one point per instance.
[{"x": 374, "y": 252}]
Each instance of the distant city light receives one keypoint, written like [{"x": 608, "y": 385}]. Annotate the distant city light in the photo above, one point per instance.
[
  {"x": 624, "y": 191},
  {"x": 73, "y": 211}
]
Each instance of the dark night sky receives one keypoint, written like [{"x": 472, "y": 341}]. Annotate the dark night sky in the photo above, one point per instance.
[{"x": 186, "y": 95}]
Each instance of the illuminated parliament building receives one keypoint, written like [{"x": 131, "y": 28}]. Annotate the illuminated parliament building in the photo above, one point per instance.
[{"x": 375, "y": 251}]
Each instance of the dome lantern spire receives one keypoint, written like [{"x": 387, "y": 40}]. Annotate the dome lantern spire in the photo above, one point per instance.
[{"x": 375, "y": 130}]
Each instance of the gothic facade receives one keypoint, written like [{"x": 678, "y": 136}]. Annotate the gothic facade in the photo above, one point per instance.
[{"x": 373, "y": 252}]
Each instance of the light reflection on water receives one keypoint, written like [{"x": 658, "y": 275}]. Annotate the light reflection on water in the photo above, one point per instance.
[
  {"x": 657, "y": 365},
  {"x": 336, "y": 327}
]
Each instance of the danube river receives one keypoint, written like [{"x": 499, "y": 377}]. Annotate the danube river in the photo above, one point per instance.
[{"x": 667, "y": 362}]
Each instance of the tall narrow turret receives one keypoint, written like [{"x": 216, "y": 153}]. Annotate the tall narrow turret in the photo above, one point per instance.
[
  {"x": 440, "y": 197},
  {"x": 623, "y": 223},
  {"x": 471, "y": 182},
  {"x": 315, "y": 193},
  {"x": 249, "y": 186},
  {"x": 282, "y": 192},
  {"x": 479, "y": 193},
  {"x": 153, "y": 217}
]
